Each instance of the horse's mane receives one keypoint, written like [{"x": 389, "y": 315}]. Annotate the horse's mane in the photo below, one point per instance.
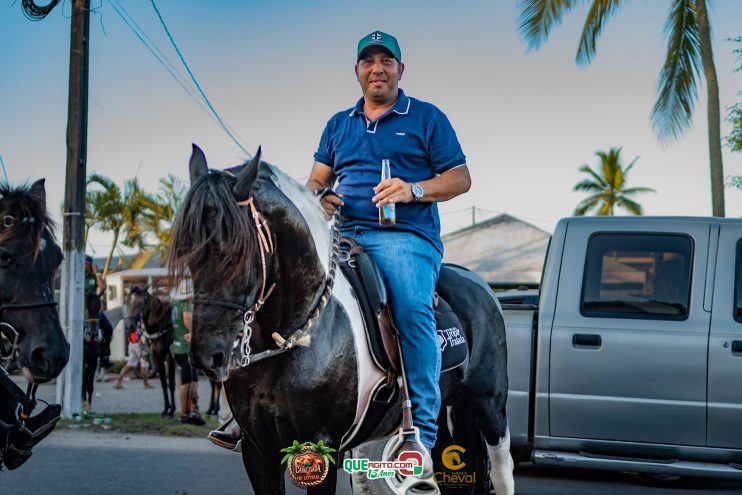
[
  {"x": 19, "y": 203},
  {"x": 194, "y": 231}
]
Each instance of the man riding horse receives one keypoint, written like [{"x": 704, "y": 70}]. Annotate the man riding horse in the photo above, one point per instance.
[{"x": 427, "y": 166}]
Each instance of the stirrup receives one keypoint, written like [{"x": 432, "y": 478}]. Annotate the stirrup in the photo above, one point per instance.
[{"x": 404, "y": 485}]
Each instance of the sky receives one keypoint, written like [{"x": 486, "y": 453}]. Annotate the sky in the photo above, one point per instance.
[{"x": 276, "y": 71}]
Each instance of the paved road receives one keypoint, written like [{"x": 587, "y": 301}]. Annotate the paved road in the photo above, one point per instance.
[
  {"x": 109, "y": 463},
  {"x": 82, "y": 463}
]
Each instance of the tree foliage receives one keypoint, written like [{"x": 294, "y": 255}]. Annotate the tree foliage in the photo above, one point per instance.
[
  {"x": 734, "y": 140},
  {"x": 689, "y": 55},
  {"x": 135, "y": 218},
  {"x": 608, "y": 186}
]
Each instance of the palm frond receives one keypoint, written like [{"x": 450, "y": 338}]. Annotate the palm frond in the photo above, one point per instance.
[
  {"x": 597, "y": 16},
  {"x": 598, "y": 178},
  {"x": 605, "y": 209},
  {"x": 635, "y": 190},
  {"x": 538, "y": 17},
  {"x": 629, "y": 166},
  {"x": 630, "y": 205},
  {"x": 587, "y": 204},
  {"x": 677, "y": 95},
  {"x": 588, "y": 185}
]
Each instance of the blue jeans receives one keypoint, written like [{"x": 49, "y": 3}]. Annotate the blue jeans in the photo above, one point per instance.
[{"x": 410, "y": 266}]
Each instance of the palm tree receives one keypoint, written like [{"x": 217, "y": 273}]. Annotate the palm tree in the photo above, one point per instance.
[
  {"x": 105, "y": 209},
  {"x": 608, "y": 186},
  {"x": 689, "y": 50},
  {"x": 110, "y": 210},
  {"x": 159, "y": 212}
]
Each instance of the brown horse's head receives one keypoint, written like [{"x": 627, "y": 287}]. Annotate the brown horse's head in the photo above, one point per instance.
[{"x": 29, "y": 258}]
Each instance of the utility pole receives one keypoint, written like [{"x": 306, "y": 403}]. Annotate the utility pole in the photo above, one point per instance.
[
  {"x": 69, "y": 383},
  {"x": 473, "y": 215}
]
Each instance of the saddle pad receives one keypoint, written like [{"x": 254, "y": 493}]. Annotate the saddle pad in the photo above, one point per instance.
[{"x": 451, "y": 337}]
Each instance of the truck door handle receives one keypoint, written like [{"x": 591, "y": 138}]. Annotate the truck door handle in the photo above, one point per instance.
[
  {"x": 737, "y": 347},
  {"x": 586, "y": 340}
]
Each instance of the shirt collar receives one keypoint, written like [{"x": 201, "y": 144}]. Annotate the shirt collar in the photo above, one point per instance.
[{"x": 401, "y": 106}]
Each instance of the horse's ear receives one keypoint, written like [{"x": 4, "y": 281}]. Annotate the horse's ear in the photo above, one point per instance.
[
  {"x": 197, "y": 164},
  {"x": 246, "y": 178},
  {"x": 38, "y": 192}
]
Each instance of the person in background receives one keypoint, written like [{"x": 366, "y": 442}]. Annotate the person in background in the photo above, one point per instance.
[
  {"x": 136, "y": 360},
  {"x": 182, "y": 309}
]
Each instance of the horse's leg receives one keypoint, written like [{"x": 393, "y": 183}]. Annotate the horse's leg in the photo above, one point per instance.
[
  {"x": 159, "y": 362},
  {"x": 328, "y": 486},
  {"x": 216, "y": 392},
  {"x": 171, "y": 382},
  {"x": 263, "y": 468},
  {"x": 501, "y": 465}
]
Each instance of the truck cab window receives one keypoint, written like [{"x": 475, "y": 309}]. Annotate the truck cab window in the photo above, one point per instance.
[{"x": 633, "y": 275}]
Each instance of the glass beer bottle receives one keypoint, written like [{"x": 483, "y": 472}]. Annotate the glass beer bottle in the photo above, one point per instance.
[{"x": 387, "y": 213}]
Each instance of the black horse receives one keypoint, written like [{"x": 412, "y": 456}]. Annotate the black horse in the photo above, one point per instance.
[
  {"x": 310, "y": 393},
  {"x": 154, "y": 315},
  {"x": 92, "y": 342},
  {"x": 29, "y": 323}
]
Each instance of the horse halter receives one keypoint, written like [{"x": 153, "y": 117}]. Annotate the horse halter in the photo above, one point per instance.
[
  {"x": 7, "y": 331},
  {"x": 9, "y": 340},
  {"x": 267, "y": 250}
]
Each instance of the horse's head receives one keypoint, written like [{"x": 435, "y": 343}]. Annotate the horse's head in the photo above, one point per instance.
[
  {"x": 29, "y": 258},
  {"x": 134, "y": 307},
  {"x": 217, "y": 243}
]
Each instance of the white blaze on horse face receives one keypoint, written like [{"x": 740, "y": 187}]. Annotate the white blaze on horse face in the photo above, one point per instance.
[{"x": 310, "y": 209}]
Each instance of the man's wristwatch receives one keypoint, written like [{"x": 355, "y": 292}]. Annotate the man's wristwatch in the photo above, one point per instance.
[{"x": 417, "y": 192}]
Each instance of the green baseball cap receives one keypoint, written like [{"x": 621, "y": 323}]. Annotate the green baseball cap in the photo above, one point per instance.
[{"x": 377, "y": 38}]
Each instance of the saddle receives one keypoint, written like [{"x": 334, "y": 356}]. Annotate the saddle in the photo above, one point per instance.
[{"x": 381, "y": 334}]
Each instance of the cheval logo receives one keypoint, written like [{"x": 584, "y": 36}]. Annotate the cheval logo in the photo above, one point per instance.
[
  {"x": 308, "y": 462},
  {"x": 454, "y": 476},
  {"x": 451, "y": 457}
]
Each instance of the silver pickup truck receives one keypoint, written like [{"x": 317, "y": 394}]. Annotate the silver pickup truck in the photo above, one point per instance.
[{"x": 630, "y": 357}]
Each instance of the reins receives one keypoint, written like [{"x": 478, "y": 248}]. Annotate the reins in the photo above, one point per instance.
[{"x": 266, "y": 249}]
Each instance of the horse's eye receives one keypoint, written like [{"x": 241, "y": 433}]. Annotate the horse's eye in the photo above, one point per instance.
[{"x": 5, "y": 259}]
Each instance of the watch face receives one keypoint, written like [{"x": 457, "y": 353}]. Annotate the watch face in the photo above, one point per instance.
[{"x": 417, "y": 191}]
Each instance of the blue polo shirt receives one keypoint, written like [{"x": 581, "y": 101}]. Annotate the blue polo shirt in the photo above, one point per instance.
[{"x": 419, "y": 142}]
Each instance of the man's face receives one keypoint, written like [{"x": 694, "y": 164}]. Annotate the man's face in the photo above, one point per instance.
[{"x": 379, "y": 74}]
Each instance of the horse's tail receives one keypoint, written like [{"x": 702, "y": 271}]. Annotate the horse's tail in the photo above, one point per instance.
[{"x": 460, "y": 456}]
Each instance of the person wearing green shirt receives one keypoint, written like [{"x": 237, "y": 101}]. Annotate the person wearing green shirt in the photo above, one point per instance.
[{"x": 182, "y": 309}]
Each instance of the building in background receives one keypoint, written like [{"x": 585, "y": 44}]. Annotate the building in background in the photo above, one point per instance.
[{"x": 506, "y": 251}]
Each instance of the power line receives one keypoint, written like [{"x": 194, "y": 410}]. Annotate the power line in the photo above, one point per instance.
[
  {"x": 35, "y": 12},
  {"x": 193, "y": 78},
  {"x": 157, "y": 53}
]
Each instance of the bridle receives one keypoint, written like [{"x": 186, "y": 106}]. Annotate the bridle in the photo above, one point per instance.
[
  {"x": 266, "y": 250},
  {"x": 24, "y": 403}
]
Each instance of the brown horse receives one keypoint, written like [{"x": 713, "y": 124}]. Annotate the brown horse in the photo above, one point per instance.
[{"x": 153, "y": 314}]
